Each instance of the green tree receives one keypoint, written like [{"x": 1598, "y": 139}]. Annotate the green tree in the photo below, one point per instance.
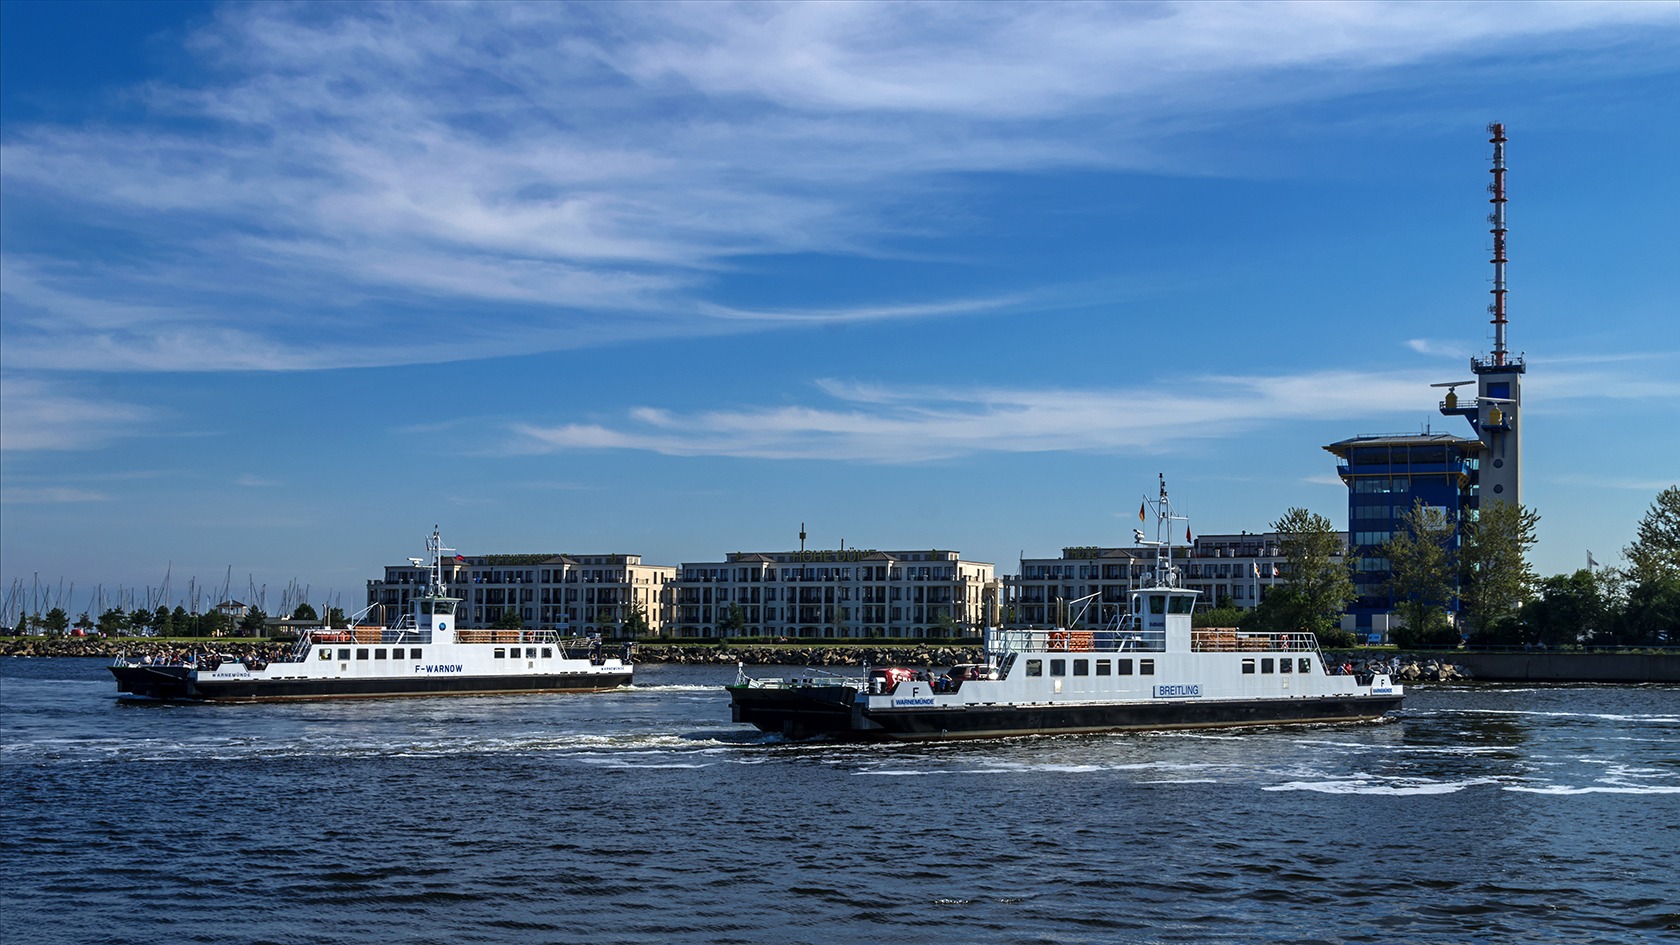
[
  {"x": 1320, "y": 585},
  {"x": 254, "y": 622},
  {"x": 636, "y": 623},
  {"x": 948, "y": 626},
  {"x": 113, "y": 622},
  {"x": 1571, "y": 609},
  {"x": 1495, "y": 577},
  {"x": 509, "y": 620},
  {"x": 1652, "y": 614},
  {"x": 84, "y": 621},
  {"x": 1219, "y": 616},
  {"x": 304, "y": 612},
  {"x": 212, "y": 623},
  {"x": 182, "y": 623},
  {"x": 1421, "y": 569},
  {"x": 733, "y": 622},
  {"x": 335, "y": 618},
  {"x": 57, "y": 621},
  {"x": 163, "y": 621},
  {"x": 141, "y": 620},
  {"x": 1655, "y": 553}
]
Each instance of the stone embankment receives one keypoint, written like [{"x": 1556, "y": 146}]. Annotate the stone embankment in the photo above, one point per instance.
[
  {"x": 1405, "y": 667},
  {"x": 107, "y": 649}
]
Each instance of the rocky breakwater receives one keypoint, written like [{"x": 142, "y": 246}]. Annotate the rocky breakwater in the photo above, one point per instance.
[
  {"x": 160, "y": 651},
  {"x": 812, "y": 655},
  {"x": 1406, "y": 668}
]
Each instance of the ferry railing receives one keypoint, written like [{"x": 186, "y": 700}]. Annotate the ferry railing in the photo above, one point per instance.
[
  {"x": 1220, "y": 640},
  {"x": 1079, "y": 641}
]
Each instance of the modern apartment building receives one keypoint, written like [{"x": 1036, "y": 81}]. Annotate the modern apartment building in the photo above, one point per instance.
[
  {"x": 837, "y": 594},
  {"x": 1238, "y": 568},
  {"x": 576, "y": 593}
]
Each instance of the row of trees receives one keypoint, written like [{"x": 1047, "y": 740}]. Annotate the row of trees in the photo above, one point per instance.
[
  {"x": 1500, "y": 599},
  {"x": 164, "y": 622}
]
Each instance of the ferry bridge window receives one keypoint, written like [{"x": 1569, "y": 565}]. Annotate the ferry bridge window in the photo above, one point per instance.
[
  {"x": 343, "y": 654},
  {"x": 1157, "y": 603},
  {"x": 1124, "y": 667},
  {"x": 361, "y": 654},
  {"x": 378, "y": 654},
  {"x": 500, "y": 653},
  {"x": 1181, "y": 605},
  {"x": 1306, "y": 665},
  {"x": 1103, "y": 668},
  {"x": 326, "y": 653},
  {"x": 1146, "y": 667},
  {"x": 1035, "y": 667},
  {"x": 1082, "y": 667},
  {"x": 1266, "y": 665},
  {"x": 1248, "y": 667},
  {"x": 1058, "y": 667}
]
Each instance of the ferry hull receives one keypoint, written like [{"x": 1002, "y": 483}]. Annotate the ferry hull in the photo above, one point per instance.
[
  {"x": 175, "y": 683},
  {"x": 795, "y": 715}
]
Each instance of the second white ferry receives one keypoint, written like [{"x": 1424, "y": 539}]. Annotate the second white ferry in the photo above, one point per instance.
[
  {"x": 425, "y": 654},
  {"x": 1149, "y": 670}
]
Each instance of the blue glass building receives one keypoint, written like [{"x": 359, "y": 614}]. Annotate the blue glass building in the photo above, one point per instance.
[{"x": 1385, "y": 475}]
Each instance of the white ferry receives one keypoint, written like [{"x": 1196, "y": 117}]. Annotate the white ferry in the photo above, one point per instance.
[
  {"x": 1148, "y": 670},
  {"x": 425, "y": 654}
]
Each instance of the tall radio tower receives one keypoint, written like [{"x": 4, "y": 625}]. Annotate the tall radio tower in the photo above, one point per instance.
[{"x": 1495, "y": 414}]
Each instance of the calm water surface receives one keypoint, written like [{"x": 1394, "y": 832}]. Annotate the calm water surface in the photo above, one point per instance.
[{"x": 1483, "y": 813}]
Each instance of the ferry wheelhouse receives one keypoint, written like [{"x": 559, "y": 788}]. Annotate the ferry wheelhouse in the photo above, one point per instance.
[
  {"x": 425, "y": 653},
  {"x": 1149, "y": 669}
]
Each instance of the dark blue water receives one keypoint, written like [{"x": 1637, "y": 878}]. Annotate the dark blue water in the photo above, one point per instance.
[{"x": 1494, "y": 814}]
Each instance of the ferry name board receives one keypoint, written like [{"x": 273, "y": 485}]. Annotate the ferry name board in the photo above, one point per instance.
[{"x": 1193, "y": 691}]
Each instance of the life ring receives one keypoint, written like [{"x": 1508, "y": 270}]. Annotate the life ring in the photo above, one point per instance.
[{"x": 1058, "y": 640}]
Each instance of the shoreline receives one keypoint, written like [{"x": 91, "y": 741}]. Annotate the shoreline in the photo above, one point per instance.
[{"x": 1404, "y": 667}]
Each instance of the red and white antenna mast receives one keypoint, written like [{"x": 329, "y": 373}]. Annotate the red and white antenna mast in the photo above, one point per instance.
[{"x": 1497, "y": 218}]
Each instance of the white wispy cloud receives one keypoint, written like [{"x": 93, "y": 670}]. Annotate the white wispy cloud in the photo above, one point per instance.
[
  {"x": 46, "y": 415},
  {"x": 884, "y": 423},
  {"x": 51, "y": 494},
  {"x": 1445, "y": 349},
  {"x": 456, "y": 178},
  {"x": 874, "y": 423},
  {"x": 255, "y": 481}
]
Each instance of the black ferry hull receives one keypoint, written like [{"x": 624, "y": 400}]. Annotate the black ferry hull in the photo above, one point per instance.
[
  {"x": 785, "y": 712},
  {"x": 175, "y": 683}
]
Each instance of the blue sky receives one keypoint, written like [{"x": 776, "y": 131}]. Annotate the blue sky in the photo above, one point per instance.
[{"x": 284, "y": 286}]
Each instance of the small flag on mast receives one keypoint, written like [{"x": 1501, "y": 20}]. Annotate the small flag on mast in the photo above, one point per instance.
[
  {"x": 1141, "y": 507},
  {"x": 1590, "y": 562}
]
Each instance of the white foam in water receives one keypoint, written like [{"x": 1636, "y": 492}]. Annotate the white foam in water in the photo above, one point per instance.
[{"x": 1371, "y": 784}]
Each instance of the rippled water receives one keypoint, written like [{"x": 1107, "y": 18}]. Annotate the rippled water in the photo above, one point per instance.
[{"x": 1483, "y": 813}]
